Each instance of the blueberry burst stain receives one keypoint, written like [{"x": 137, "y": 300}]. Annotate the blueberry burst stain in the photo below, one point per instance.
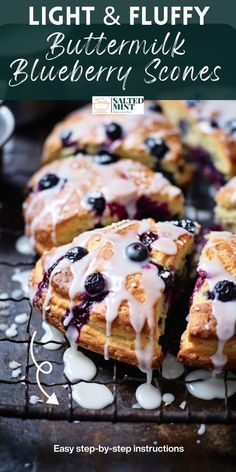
[{"x": 81, "y": 312}]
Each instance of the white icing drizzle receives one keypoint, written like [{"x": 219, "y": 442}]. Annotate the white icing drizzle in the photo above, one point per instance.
[
  {"x": 167, "y": 235},
  {"x": 92, "y": 395},
  {"x": 201, "y": 430},
  {"x": 78, "y": 366},
  {"x": 24, "y": 246},
  {"x": 11, "y": 332},
  {"x": 202, "y": 384},
  {"x": 22, "y": 318},
  {"x": 224, "y": 312},
  {"x": 171, "y": 368},
  {"x": 148, "y": 396},
  {"x": 168, "y": 398},
  {"x": 23, "y": 278},
  {"x": 52, "y": 336},
  {"x": 122, "y": 182}
]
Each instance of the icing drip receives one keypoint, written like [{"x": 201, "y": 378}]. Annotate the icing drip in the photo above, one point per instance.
[
  {"x": 148, "y": 396},
  {"x": 92, "y": 395},
  {"x": 224, "y": 312},
  {"x": 201, "y": 384},
  {"x": 52, "y": 338},
  {"x": 171, "y": 368},
  {"x": 78, "y": 366}
]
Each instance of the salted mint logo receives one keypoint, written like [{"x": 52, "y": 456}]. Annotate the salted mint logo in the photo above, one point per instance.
[{"x": 118, "y": 105}]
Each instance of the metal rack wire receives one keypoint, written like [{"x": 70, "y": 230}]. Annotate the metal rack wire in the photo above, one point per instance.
[{"x": 15, "y": 394}]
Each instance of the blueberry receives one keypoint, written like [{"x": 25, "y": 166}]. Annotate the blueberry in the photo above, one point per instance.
[
  {"x": 148, "y": 238},
  {"x": 155, "y": 106},
  {"x": 137, "y": 252},
  {"x": 113, "y": 131},
  {"x": 97, "y": 202},
  {"x": 94, "y": 284},
  {"x": 189, "y": 225},
  {"x": 167, "y": 277},
  {"x": 76, "y": 253},
  {"x": 225, "y": 291},
  {"x": 214, "y": 124},
  {"x": 157, "y": 147},
  {"x": 231, "y": 126},
  {"x": 104, "y": 158},
  {"x": 48, "y": 181},
  {"x": 65, "y": 138}
]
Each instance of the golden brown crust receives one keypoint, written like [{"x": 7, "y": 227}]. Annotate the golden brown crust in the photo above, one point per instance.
[
  {"x": 93, "y": 333},
  {"x": 55, "y": 216},
  {"x": 200, "y": 340},
  {"x": 198, "y": 132},
  {"x": 89, "y": 134}
]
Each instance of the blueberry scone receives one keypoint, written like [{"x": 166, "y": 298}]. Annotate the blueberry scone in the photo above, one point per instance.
[
  {"x": 225, "y": 210},
  {"x": 73, "y": 195},
  {"x": 110, "y": 290},
  {"x": 210, "y": 337},
  {"x": 149, "y": 139},
  {"x": 208, "y": 127}
]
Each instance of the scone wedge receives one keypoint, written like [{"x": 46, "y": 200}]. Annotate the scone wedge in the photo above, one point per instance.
[
  {"x": 210, "y": 337},
  {"x": 73, "y": 195},
  {"x": 148, "y": 138},
  {"x": 110, "y": 290},
  {"x": 208, "y": 128}
]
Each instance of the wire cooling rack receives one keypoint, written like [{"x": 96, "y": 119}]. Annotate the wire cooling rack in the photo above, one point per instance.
[{"x": 21, "y": 158}]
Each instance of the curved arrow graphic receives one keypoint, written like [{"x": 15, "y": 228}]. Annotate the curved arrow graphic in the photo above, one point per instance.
[{"x": 44, "y": 367}]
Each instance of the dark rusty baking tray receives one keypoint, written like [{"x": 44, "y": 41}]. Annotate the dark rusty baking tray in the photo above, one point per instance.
[{"x": 21, "y": 158}]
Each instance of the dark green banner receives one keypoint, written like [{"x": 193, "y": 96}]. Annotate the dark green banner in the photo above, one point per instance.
[{"x": 157, "y": 49}]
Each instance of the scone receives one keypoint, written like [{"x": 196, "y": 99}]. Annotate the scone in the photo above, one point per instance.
[
  {"x": 208, "y": 127},
  {"x": 210, "y": 338},
  {"x": 110, "y": 289},
  {"x": 149, "y": 139},
  {"x": 73, "y": 195},
  {"x": 225, "y": 210}
]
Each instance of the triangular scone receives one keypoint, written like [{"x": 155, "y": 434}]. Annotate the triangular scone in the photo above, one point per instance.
[
  {"x": 210, "y": 338},
  {"x": 225, "y": 210},
  {"x": 148, "y": 138},
  {"x": 76, "y": 194},
  {"x": 209, "y": 127},
  {"x": 110, "y": 289}
]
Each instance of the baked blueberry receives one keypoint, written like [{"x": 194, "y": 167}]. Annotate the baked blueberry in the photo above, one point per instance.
[
  {"x": 65, "y": 138},
  {"x": 137, "y": 252},
  {"x": 155, "y": 106},
  {"x": 104, "y": 158},
  {"x": 113, "y": 131},
  {"x": 157, "y": 147},
  {"x": 76, "y": 253},
  {"x": 231, "y": 126},
  {"x": 214, "y": 124},
  {"x": 97, "y": 202},
  {"x": 167, "y": 277},
  {"x": 225, "y": 291},
  {"x": 94, "y": 284},
  {"x": 148, "y": 238},
  {"x": 189, "y": 225},
  {"x": 48, "y": 181}
]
